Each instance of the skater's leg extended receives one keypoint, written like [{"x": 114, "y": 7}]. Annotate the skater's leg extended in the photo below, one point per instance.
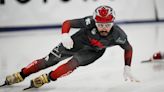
[
  {"x": 62, "y": 70},
  {"x": 38, "y": 65},
  {"x": 81, "y": 58},
  {"x": 53, "y": 58},
  {"x": 35, "y": 66}
]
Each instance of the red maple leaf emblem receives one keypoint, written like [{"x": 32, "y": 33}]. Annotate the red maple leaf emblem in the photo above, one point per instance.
[{"x": 103, "y": 11}]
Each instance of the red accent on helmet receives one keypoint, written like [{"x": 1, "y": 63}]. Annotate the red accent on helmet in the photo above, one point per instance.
[
  {"x": 103, "y": 11},
  {"x": 104, "y": 14},
  {"x": 109, "y": 18}
]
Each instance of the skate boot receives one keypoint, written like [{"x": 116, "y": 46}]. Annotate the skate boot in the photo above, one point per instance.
[
  {"x": 12, "y": 79},
  {"x": 39, "y": 81}
]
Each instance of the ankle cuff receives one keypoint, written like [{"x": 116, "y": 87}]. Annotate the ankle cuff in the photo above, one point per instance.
[{"x": 49, "y": 76}]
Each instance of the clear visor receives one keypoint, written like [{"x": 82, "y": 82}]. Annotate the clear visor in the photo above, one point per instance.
[{"x": 104, "y": 25}]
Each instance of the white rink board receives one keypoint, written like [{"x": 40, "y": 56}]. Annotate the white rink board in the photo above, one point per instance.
[{"x": 35, "y": 12}]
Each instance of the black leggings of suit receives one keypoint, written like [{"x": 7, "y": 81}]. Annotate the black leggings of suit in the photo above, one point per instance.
[{"x": 82, "y": 56}]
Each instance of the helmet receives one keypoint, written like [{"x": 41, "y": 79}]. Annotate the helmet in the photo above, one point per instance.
[{"x": 104, "y": 14}]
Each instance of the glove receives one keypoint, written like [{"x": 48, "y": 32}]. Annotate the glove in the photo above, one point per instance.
[
  {"x": 67, "y": 41},
  {"x": 127, "y": 74}
]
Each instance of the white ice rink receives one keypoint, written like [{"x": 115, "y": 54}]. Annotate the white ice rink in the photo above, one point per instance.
[{"x": 17, "y": 49}]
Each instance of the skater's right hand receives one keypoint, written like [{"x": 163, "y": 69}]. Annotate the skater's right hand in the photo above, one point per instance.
[{"x": 67, "y": 41}]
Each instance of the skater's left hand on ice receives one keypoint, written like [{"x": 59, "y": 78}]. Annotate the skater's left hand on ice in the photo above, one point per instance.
[{"x": 128, "y": 75}]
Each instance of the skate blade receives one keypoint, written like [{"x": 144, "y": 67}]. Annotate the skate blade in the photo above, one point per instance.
[
  {"x": 145, "y": 61},
  {"x": 27, "y": 88},
  {"x": 3, "y": 85}
]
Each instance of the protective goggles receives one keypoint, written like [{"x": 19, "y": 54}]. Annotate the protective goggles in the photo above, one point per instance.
[{"x": 104, "y": 25}]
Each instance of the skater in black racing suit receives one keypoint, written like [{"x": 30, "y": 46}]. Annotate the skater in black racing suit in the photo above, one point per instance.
[{"x": 96, "y": 33}]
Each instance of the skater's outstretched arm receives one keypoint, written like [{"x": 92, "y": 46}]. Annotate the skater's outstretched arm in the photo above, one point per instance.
[{"x": 128, "y": 51}]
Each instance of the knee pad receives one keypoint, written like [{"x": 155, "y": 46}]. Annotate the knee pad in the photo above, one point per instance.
[{"x": 33, "y": 67}]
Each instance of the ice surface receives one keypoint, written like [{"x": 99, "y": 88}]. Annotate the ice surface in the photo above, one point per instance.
[{"x": 17, "y": 49}]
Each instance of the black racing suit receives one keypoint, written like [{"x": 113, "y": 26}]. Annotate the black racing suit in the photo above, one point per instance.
[{"x": 88, "y": 45}]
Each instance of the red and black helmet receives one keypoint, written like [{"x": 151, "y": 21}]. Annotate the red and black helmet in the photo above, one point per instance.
[{"x": 104, "y": 14}]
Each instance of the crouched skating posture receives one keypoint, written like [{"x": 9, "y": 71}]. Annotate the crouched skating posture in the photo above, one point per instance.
[{"x": 96, "y": 33}]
